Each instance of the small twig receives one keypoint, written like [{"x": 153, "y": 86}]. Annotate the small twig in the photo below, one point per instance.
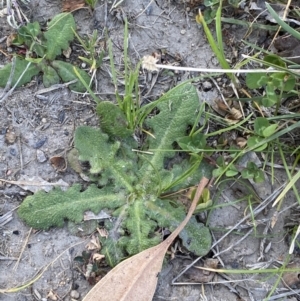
[
  {"x": 22, "y": 250},
  {"x": 55, "y": 87},
  {"x": 20, "y": 151},
  {"x": 29, "y": 183},
  {"x": 6, "y": 218},
  {"x": 263, "y": 241},
  {"x": 283, "y": 18},
  {"x": 236, "y": 243},
  {"x": 8, "y": 258},
  {"x": 115, "y": 5}
]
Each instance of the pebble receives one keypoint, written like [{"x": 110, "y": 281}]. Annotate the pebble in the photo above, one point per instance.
[
  {"x": 207, "y": 86},
  {"x": 40, "y": 143},
  {"x": 10, "y": 136},
  {"x": 74, "y": 294},
  {"x": 183, "y": 31},
  {"x": 40, "y": 156},
  {"x": 13, "y": 151}
]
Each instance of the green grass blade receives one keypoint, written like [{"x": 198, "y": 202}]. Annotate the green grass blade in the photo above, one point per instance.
[
  {"x": 94, "y": 96},
  {"x": 284, "y": 25}
]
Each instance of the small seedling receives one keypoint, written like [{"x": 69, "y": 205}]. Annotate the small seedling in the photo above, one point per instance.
[
  {"x": 275, "y": 84},
  {"x": 42, "y": 48},
  {"x": 91, "y": 3},
  {"x": 262, "y": 129},
  {"x": 253, "y": 172},
  {"x": 89, "y": 44}
]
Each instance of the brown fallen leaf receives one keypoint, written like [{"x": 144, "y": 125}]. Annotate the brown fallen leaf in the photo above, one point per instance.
[
  {"x": 71, "y": 5},
  {"x": 135, "y": 278}
]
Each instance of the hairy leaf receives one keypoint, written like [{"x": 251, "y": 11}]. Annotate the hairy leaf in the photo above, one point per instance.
[
  {"x": 112, "y": 120},
  {"x": 140, "y": 226},
  {"x": 94, "y": 147},
  {"x": 196, "y": 238},
  {"x": 43, "y": 210},
  {"x": 59, "y": 34},
  {"x": 177, "y": 110},
  {"x": 66, "y": 72},
  {"x": 50, "y": 76},
  {"x": 19, "y": 69}
]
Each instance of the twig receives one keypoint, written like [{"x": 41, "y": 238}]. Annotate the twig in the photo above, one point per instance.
[
  {"x": 55, "y": 87},
  {"x": 8, "y": 258},
  {"x": 6, "y": 218},
  {"x": 22, "y": 250}
]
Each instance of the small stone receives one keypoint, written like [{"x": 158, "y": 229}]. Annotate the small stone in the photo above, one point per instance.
[
  {"x": 83, "y": 65},
  {"x": 74, "y": 294},
  {"x": 13, "y": 151},
  {"x": 40, "y": 156},
  {"x": 206, "y": 86},
  {"x": 44, "y": 120},
  {"x": 183, "y": 31},
  {"x": 10, "y": 136}
]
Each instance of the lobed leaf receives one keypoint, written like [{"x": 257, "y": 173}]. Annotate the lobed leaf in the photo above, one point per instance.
[
  {"x": 177, "y": 109},
  {"x": 112, "y": 120},
  {"x": 19, "y": 69},
  {"x": 67, "y": 74},
  {"x": 44, "y": 210},
  {"x": 50, "y": 76},
  {"x": 59, "y": 34},
  {"x": 94, "y": 147}
]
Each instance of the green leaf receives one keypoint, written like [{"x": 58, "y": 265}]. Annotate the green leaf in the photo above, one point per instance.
[
  {"x": 194, "y": 143},
  {"x": 262, "y": 127},
  {"x": 50, "y": 76},
  {"x": 259, "y": 176},
  {"x": 67, "y": 74},
  {"x": 112, "y": 120},
  {"x": 196, "y": 238},
  {"x": 93, "y": 146},
  {"x": 283, "y": 81},
  {"x": 280, "y": 22},
  {"x": 270, "y": 130},
  {"x": 177, "y": 109},
  {"x": 274, "y": 59},
  {"x": 44, "y": 210},
  {"x": 260, "y": 124},
  {"x": 253, "y": 172},
  {"x": 112, "y": 250},
  {"x": 139, "y": 225},
  {"x": 59, "y": 34},
  {"x": 19, "y": 69},
  {"x": 254, "y": 140},
  {"x": 231, "y": 172},
  {"x": 256, "y": 80},
  {"x": 29, "y": 32}
]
